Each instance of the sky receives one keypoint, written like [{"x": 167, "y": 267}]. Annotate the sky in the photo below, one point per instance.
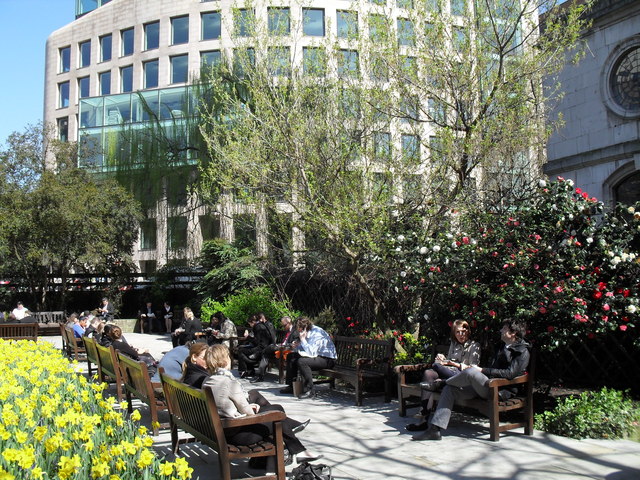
[{"x": 26, "y": 24}]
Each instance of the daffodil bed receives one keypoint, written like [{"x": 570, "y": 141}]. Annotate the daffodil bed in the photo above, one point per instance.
[{"x": 55, "y": 424}]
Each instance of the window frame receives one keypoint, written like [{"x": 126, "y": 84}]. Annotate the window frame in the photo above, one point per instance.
[
  {"x": 306, "y": 11},
  {"x": 174, "y": 31},
  {"x": 127, "y": 45},
  {"x": 126, "y": 68},
  {"x": 203, "y": 25},
  {"x": 64, "y": 60},
  {"x": 145, "y": 73},
  {"x": 82, "y": 52},
  {"x": 146, "y": 32},
  {"x": 172, "y": 67}
]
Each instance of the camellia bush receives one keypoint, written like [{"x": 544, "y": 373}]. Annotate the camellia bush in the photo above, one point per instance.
[
  {"x": 559, "y": 261},
  {"x": 55, "y": 424}
]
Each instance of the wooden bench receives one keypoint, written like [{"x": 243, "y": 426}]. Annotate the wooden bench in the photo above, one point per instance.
[
  {"x": 137, "y": 382},
  {"x": 109, "y": 368},
  {"x": 361, "y": 362},
  {"x": 195, "y": 412},
  {"x": 409, "y": 396},
  {"x": 19, "y": 331},
  {"x": 75, "y": 346}
]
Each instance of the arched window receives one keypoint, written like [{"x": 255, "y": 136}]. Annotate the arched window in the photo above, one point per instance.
[{"x": 628, "y": 190}]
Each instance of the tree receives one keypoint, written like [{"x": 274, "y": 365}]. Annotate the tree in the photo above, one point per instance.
[
  {"x": 57, "y": 220},
  {"x": 387, "y": 129}
]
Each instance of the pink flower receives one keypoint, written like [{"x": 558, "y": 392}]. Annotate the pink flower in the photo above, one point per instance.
[
  {"x": 542, "y": 310},
  {"x": 578, "y": 191},
  {"x": 492, "y": 313},
  {"x": 550, "y": 328},
  {"x": 605, "y": 318},
  {"x": 608, "y": 294},
  {"x": 623, "y": 328},
  {"x": 606, "y": 307},
  {"x": 465, "y": 240}
]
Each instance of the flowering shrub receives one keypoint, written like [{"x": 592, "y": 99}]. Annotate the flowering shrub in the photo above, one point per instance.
[
  {"x": 410, "y": 350},
  {"x": 55, "y": 424},
  {"x": 557, "y": 261}
]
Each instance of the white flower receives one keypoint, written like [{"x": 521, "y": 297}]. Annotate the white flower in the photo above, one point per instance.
[
  {"x": 631, "y": 309},
  {"x": 636, "y": 215},
  {"x": 570, "y": 216},
  {"x": 615, "y": 260},
  {"x": 589, "y": 240},
  {"x": 449, "y": 236},
  {"x": 423, "y": 250},
  {"x": 631, "y": 210},
  {"x": 396, "y": 289},
  {"x": 436, "y": 248},
  {"x": 453, "y": 244},
  {"x": 403, "y": 274},
  {"x": 570, "y": 182},
  {"x": 542, "y": 183},
  {"x": 395, "y": 213},
  {"x": 401, "y": 238}
]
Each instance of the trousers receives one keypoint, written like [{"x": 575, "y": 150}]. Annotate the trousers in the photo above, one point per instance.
[{"x": 469, "y": 383}]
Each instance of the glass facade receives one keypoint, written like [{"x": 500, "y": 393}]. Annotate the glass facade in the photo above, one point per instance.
[
  {"x": 348, "y": 63},
  {"x": 313, "y": 22},
  {"x": 150, "y": 74},
  {"x": 65, "y": 59},
  {"x": 105, "y": 48},
  {"x": 126, "y": 79},
  {"x": 213, "y": 57},
  {"x": 211, "y": 25},
  {"x": 180, "y": 30},
  {"x": 84, "y": 57},
  {"x": 104, "y": 81},
  {"x": 179, "y": 69},
  {"x": 151, "y": 35}
]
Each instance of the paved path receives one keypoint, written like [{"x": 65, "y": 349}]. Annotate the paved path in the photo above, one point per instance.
[{"x": 370, "y": 443}]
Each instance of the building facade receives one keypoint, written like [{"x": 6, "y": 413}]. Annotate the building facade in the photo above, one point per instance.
[{"x": 599, "y": 145}]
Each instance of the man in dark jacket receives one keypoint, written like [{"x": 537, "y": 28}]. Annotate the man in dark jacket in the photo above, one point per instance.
[
  {"x": 249, "y": 358},
  {"x": 511, "y": 360}
]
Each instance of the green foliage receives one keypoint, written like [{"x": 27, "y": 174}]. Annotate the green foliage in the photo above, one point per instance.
[
  {"x": 326, "y": 320},
  {"x": 229, "y": 269},
  {"x": 410, "y": 350},
  {"x": 241, "y": 305},
  {"x": 603, "y": 414}
]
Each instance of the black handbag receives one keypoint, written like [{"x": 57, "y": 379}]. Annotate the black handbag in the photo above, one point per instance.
[{"x": 308, "y": 471}]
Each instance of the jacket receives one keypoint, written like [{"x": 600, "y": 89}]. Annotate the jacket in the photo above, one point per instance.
[{"x": 510, "y": 361}]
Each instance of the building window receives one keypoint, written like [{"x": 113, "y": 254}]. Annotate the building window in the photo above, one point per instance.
[
  {"x": 244, "y": 59},
  {"x": 150, "y": 74},
  {"x": 279, "y": 20},
  {"x": 180, "y": 30},
  {"x": 348, "y": 63},
  {"x": 211, "y": 25},
  {"x": 347, "y": 24},
  {"x": 65, "y": 59},
  {"x": 126, "y": 79},
  {"x": 409, "y": 106},
  {"x": 63, "y": 129},
  {"x": 382, "y": 145},
  {"x": 209, "y": 227},
  {"x": 313, "y": 22},
  {"x": 151, "y": 35},
  {"x": 213, "y": 57},
  {"x": 459, "y": 38},
  {"x": 126, "y": 38},
  {"x": 406, "y": 33},
  {"x": 245, "y": 230},
  {"x": 85, "y": 54},
  {"x": 457, "y": 7},
  {"x": 105, "y": 48},
  {"x": 432, "y": 5},
  {"x": 404, "y": 3},
  {"x": 148, "y": 234},
  {"x": 379, "y": 70},
  {"x": 179, "y": 68},
  {"x": 377, "y": 27},
  {"x": 314, "y": 61},
  {"x": 104, "y": 80},
  {"x": 83, "y": 87},
  {"x": 279, "y": 61},
  {"x": 410, "y": 145},
  {"x": 378, "y": 2},
  {"x": 410, "y": 67},
  {"x": 628, "y": 191},
  {"x": 243, "y": 22},
  {"x": 177, "y": 233},
  {"x": 63, "y": 94}
]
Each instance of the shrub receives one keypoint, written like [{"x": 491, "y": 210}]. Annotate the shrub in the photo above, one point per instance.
[
  {"x": 410, "y": 350},
  {"x": 54, "y": 424},
  {"x": 604, "y": 414},
  {"x": 247, "y": 302}
]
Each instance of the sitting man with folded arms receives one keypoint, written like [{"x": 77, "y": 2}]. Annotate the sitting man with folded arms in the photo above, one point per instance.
[
  {"x": 314, "y": 351},
  {"x": 511, "y": 360}
]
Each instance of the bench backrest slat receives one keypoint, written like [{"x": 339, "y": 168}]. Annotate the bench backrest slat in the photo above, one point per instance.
[
  {"x": 350, "y": 349},
  {"x": 135, "y": 376},
  {"x": 19, "y": 331}
]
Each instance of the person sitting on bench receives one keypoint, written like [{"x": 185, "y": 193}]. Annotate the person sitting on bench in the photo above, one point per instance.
[{"x": 510, "y": 361}]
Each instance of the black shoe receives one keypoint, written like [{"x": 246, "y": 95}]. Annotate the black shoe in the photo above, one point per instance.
[
  {"x": 287, "y": 389},
  {"x": 257, "y": 378},
  {"x": 311, "y": 393},
  {"x": 288, "y": 458},
  {"x": 433, "y": 433},
  {"x": 301, "y": 459},
  {"x": 417, "y": 427},
  {"x": 300, "y": 427},
  {"x": 434, "y": 386},
  {"x": 247, "y": 373}
]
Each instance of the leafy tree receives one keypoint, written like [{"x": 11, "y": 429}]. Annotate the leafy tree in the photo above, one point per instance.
[{"x": 55, "y": 221}]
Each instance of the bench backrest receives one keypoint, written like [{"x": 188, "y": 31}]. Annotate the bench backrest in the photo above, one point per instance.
[
  {"x": 19, "y": 331},
  {"x": 135, "y": 376},
  {"x": 108, "y": 362},
  {"x": 73, "y": 346},
  {"x": 92, "y": 351},
  {"x": 350, "y": 349},
  {"x": 194, "y": 411}
]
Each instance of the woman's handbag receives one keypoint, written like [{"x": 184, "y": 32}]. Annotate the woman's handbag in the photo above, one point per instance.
[{"x": 308, "y": 471}]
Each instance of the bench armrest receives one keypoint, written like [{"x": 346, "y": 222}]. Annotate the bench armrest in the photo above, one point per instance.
[
  {"x": 412, "y": 368},
  {"x": 502, "y": 382},
  {"x": 253, "y": 419}
]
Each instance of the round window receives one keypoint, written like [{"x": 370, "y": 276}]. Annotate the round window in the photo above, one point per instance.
[{"x": 621, "y": 79}]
